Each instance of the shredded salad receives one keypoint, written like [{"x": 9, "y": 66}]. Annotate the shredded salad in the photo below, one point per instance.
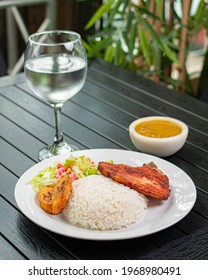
[{"x": 76, "y": 167}]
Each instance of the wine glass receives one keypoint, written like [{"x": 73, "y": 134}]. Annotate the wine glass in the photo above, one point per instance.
[{"x": 55, "y": 66}]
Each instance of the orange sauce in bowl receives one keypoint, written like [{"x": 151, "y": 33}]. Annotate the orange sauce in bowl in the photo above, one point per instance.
[{"x": 158, "y": 128}]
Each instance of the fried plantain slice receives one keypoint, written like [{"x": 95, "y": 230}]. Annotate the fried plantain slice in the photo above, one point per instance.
[
  {"x": 45, "y": 199},
  {"x": 61, "y": 194}
]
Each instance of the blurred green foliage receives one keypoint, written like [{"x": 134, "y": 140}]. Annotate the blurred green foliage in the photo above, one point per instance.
[{"x": 145, "y": 42}]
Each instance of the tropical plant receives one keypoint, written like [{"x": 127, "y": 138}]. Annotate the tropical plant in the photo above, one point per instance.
[{"x": 149, "y": 37}]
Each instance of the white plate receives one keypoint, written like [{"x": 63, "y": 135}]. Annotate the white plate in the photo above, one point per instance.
[{"x": 158, "y": 216}]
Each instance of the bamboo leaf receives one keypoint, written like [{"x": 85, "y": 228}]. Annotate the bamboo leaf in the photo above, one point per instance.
[
  {"x": 103, "y": 33},
  {"x": 171, "y": 55},
  {"x": 152, "y": 31},
  {"x": 113, "y": 12},
  {"x": 105, "y": 8},
  {"x": 126, "y": 39},
  {"x": 168, "y": 52},
  {"x": 131, "y": 17},
  {"x": 118, "y": 53},
  {"x": 199, "y": 11},
  {"x": 156, "y": 52},
  {"x": 143, "y": 12},
  {"x": 145, "y": 46},
  {"x": 132, "y": 39},
  {"x": 159, "y": 6},
  {"x": 109, "y": 54},
  {"x": 125, "y": 3},
  {"x": 86, "y": 45},
  {"x": 99, "y": 46}
]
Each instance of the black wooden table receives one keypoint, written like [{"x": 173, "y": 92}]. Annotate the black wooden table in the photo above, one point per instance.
[{"x": 98, "y": 117}]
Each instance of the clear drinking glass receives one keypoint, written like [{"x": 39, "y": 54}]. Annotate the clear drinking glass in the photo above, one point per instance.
[{"x": 55, "y": 68}]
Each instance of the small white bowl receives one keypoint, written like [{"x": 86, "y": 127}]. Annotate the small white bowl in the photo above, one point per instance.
[{"x": 161, "y": 147}]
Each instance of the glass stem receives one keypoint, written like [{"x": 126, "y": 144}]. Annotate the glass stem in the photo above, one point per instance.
[{"x": 58, "y": 127}]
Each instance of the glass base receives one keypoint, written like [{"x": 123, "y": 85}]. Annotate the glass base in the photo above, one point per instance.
[{"x": 56, "y": 149}]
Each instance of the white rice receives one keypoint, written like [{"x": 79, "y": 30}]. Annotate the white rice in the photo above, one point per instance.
[{"x": 99, "y": 203}]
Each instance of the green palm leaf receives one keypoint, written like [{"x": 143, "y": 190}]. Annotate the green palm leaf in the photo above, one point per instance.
[{"x": 105, "y": 8}]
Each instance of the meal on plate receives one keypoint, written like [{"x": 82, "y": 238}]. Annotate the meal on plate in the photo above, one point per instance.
[{"x": 106, "y": 196}]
